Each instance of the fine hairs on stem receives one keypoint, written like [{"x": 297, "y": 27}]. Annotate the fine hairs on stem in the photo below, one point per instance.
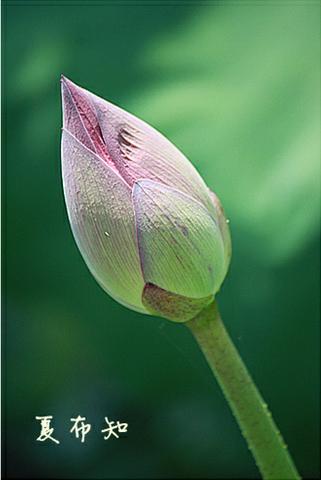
[{"x": 251, "y": 412}]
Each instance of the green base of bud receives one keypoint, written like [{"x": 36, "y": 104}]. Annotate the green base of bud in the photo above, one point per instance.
[{"x": 171, "y": 305}]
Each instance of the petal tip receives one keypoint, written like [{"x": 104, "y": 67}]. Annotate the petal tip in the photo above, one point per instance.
[
  {"x": 64, "y": 81},
  {"x": 138, "y": 186}
]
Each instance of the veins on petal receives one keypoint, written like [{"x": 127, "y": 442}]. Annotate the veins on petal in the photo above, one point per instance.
[{"x": 88, "y": 120}]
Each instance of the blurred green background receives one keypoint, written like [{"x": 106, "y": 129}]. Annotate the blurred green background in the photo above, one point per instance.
[{"x": 235, "y": 85}]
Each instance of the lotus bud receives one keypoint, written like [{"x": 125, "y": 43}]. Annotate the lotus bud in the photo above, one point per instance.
[{"x": 150, "y": 231}]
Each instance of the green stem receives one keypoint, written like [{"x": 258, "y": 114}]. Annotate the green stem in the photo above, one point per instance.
[{"x": 251, "y": 413}]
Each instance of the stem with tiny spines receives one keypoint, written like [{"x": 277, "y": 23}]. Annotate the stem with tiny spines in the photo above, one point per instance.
[{"x": 255, "y": 421}]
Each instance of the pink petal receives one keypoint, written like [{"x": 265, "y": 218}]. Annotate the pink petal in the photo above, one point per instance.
[
  {"x": 180, "y": 244},
  {"x": 130, "y": 145},
  {"x": 102, "y": 219}
]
